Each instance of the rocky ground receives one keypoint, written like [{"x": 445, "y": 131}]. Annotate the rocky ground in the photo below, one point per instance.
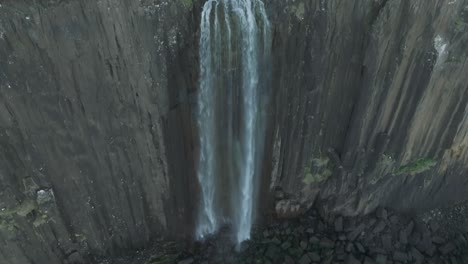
[{"x": 382, "y": 238}]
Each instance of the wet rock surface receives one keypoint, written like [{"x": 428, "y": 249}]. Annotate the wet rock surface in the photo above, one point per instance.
[
  {"x": 97, "y": 146},
  {"x": 315, "y": 239}
]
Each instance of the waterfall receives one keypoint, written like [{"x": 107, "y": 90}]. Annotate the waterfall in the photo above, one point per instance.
[{"x": 234, "y": 51}]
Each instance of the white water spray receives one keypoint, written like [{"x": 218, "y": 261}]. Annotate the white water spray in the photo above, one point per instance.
[{"x": 234, "y": 45}]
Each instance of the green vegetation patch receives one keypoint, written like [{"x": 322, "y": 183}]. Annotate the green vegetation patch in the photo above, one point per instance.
[
  {"x": 23, "y": 209},
  {"x": 187, "y": 3},
  {"x": 416, "y": 167},
  {"x": 8, "y": 215},
  {"x": 460, "y": 25},
  {"x": 320, "y": 171},
  {"x": 41, "y": 219},
  {"x": 299, "y": 10}
]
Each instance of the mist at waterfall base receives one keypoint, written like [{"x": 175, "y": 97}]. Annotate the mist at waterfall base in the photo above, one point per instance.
[{"x": 232, "y": 101}]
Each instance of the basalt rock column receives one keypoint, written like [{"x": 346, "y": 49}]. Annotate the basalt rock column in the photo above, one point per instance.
[{"x": 234, "y": 48}]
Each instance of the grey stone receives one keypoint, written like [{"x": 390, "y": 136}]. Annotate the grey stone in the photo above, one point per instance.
[
  {"x": 409, "y": 229},
  {"x": 305, "y": 259},
  {"x": 453, "y": 260},
  {"x": 417, "y": 256},
  {"x": 276, "y": 240},
  {"x": 438, "y": 240},
  {"x": 341, "y": 256},
  {"x": 352, "y": 260},
  {"x": 30, "y": 186},
  {"x": 349, "y": 247},
  {"x": 379, "y": 227},
  {"x": 425, "y": 245},
  {"x": 350, "y": 224},
  {"x": 400, "y": 256},
  {"x": 353, "y": 235},
  {"x": 279, "y": 194},
  {"x": 382, "y": 213},
  {"x": 381, "y": 259},
  {"x": 74, "y": 258},
  {"x": 447, "y": 248},
  {"x": 387, "y": 241},
  {"x": 272, "y": 252},
  {"x": 327, "y": 243},
  {"x": 403, "y": 237},
  {"x": 339, "y": 224},
  {"x": 186, "y": 261},
  {"x": 286, "y": 245},
  {"x": 415, "y": 238},
  {"x": 339, "y": 247},
  {"x": 314, "y": 256},
  {"x": 314, "y": 240},
  {"x": 394, "y": 219},
  {"x": 368, "y": 260},
  {"x": 360, "y": 247},
  {"x": 321, "y": 226},
  {"x": 377, "y": 250},
  {"x": 288, "y": 260},
  {"x": 45, "y": 196},
  {"x": 327, "y": 260},
  {"x": 434, "y": 226}
]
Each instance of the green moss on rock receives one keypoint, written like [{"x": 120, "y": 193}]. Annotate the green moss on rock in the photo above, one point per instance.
[
  {"x": 460, "y": 25},
  {"x": 416, "y": 167},
  {"x": 22, "y": 209},
  {"x": 319, "y": 171},
  {"x": 187, "y": 3},
  {"x": 298, "y": 10}
]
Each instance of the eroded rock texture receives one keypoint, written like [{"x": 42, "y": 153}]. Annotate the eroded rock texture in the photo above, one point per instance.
[
  {"x": 97, "y": 141},
  {"x": 92, "y": 105},
  {"x": 371, "y": 104}
]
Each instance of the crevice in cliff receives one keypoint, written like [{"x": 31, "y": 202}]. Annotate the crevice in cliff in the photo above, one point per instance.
[{"x": 376, "y": 11}]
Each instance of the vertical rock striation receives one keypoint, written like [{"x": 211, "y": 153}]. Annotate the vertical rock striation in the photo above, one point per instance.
[
  {"x": 98, "y": 144},
  {"x": 371, "y": 101},
  {"x": 93, "y": 106}
]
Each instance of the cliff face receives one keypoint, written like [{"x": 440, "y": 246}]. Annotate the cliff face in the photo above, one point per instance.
[
  {"x": 97, "y": 137},
  {"x": 371, "y": 104},
  {"x": 93, "y": 105}
]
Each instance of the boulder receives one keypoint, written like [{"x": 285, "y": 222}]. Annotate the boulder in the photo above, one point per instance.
[
  {"x": 314, "y": 256},
  {"x": 327, "y": 243},
  {"x": 287, "y": 209},
  {"x": 381, "y": 259},
  {"x": 447, "y": 248},
  {"x": 305, "y": 259},
  {"x": 356, "y": 232},
  {"x": 382, "y": 213},
  {"x": 339, "y": 224},
  {"x": 400, "y": 256},
  {"x": 379, "y": 227},
  {"x": 352, "y": 260}
]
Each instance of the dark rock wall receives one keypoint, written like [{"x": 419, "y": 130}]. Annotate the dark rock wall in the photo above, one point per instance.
[
  {"x": 367, "y": 112},
  {"x": 91, "y": 106},
  {"x": 96, "y": 132}
]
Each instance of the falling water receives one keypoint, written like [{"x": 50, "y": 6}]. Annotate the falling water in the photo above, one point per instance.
[{"x": 234, "y": 48}]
